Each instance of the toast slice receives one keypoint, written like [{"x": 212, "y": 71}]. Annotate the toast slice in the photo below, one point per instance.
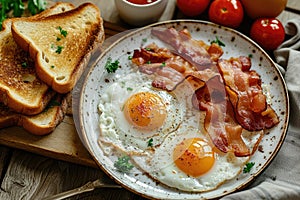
[
  {"x": 40, "y": 124},
  {"x": 20, "y": 88},
  {"x": 61, "y": 44}
]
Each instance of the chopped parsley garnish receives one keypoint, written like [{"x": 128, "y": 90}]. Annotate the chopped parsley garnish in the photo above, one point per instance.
[
  {"x": 62, "y": 32},
  {"x": 148, "y": 62},
  {"x": 123, "y": 164},
  {"x": 59, "y": 49},
  {"x": 24, "y": 64},
  {"x": 129, "y": 57},
  {"x": 52, "y": 66},
  {"x": 110, "y": 66},
  {"x": 150, "y": 142},
  {"x": 248, "y": 167},
  {"x": 145, "y": 40},
  {"x": 219, "y": 42},
  {"x": 163, "y": 65},
  {"x": 250, "y": 56},
  {"x": 148, "y": 49},
  {"x": 129, "y": 89},
  {"x": 58, "y": 39}
]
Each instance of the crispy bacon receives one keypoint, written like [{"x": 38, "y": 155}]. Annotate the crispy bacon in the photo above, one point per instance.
[
  {"x": 215, "y": 51},
  {"x": 183, "y": 45},
  {"x": 169, "y": 70},
  {"x": 167, "y": 78},
  {"x": 245, "y": 93},
  {"x": 150, "y": 54},
  {"x": 175, "y": 62},
  {"x": 229, "y": 92},
  {"x": 170, "y": 76},
  {"x": 219, "y": 122}
]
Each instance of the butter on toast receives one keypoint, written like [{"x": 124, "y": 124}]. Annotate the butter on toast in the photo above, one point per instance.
[
  {"x": 40, "y": 124},
  {"x": 61, "y": 44},
  {"x": 20, "y": 88}
]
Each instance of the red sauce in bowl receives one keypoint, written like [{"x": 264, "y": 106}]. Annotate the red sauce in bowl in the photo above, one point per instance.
[{"x": 141, "y": 2}]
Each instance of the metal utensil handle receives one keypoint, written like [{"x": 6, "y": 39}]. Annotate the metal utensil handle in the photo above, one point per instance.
[{"x": 90, "y": 186}]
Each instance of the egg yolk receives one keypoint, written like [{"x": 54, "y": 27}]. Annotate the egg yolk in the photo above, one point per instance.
[
  {"x": 194, "y": 156},
  {"x": 145, "y": 111}
]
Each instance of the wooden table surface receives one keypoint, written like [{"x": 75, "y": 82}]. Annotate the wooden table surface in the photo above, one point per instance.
[{"x": 35, "y": 172}]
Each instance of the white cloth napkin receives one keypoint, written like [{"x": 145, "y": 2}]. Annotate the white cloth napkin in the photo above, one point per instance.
[{"x": 281, "y": 180}]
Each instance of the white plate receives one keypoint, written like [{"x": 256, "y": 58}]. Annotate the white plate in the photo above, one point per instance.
[{"x": 236, "y": 44}]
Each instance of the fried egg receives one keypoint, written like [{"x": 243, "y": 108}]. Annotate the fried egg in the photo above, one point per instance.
[
  {"x": 133, "y": 113},
  {"x": 188, "y": 161},
  {"x": 163, "y": 134}
]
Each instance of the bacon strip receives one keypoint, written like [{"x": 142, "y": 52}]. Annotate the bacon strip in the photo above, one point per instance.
[
  {"x": 245, "y": 93},
  {"x": 169, "y": 70},
  {"x": 229, "y": 92},
  {"x": 219, "y": 123},
  {"x": 167, "y": 78},
  {"x": 151, "y": 54},
  {"x": 183, "y": 45}
]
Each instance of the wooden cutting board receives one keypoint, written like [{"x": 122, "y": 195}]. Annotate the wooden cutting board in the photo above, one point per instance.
[{"x": 63, "y": 143}]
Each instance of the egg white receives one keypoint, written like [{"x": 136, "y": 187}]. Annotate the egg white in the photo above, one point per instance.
[
  {"x": 117, "y": 133},
  {"x": 161, "y": 166}
]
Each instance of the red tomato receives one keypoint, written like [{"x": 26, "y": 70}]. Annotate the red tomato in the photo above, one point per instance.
[
  {"x": 226, "y": 12},
  {"x": 192, "y": 8},
  {"x": 267, "y": 32}
]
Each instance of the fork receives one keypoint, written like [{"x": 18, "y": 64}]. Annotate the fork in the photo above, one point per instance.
[{"x": 89, "y": 186}]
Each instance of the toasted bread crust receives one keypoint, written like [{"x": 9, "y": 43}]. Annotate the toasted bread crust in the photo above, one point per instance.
[
  {"x": 58, "y": 7},
  {"x": 20, "y": 87},
  {"x": 61, "y": 70},
  {"x": 40, "y": 124}
]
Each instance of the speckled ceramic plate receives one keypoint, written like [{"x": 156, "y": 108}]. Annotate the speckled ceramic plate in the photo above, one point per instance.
[{"x": 236, "y": 44}]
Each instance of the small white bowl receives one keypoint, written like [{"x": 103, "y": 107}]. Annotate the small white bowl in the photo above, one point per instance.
[{"x": 139, "y": 15}]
